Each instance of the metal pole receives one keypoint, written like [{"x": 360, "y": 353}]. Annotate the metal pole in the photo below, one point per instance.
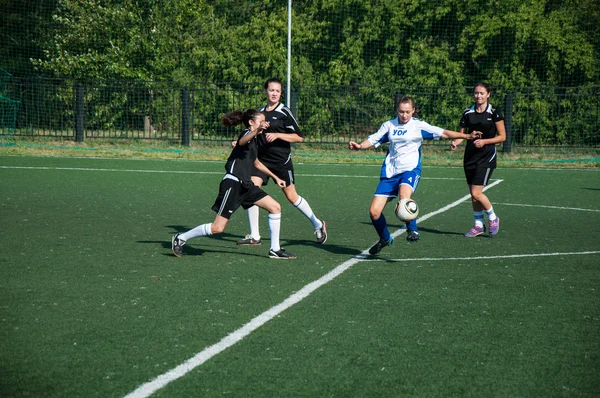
[
  {"x": 79, "y": 112},
  {"x": 185, "y": 116},
  {"x": 289, "y": 54},
  {"x": 508, "y": 110}
]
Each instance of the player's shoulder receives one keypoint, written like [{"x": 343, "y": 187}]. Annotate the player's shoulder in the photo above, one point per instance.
[{"x": 469, "y": 110}]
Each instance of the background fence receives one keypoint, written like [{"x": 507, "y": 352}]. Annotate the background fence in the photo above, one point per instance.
[{"x": 543, "y": 116}]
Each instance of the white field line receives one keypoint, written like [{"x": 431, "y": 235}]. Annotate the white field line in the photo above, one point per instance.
[
  {"x": 235, "y": 337},
  {"x": 192, "y": 172},
  {"x": 398, "y": 260},
  {"x": 548, "y": 207}
]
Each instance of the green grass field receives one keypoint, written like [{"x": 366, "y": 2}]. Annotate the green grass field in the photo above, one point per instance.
[{"x": 92, "y": 302}]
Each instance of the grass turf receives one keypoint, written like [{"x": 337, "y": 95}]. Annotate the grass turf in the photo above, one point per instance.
[{"x": 93, "y": 303}]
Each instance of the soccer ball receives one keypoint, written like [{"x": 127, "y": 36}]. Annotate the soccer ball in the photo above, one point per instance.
[{"x": 406, "y": 210}]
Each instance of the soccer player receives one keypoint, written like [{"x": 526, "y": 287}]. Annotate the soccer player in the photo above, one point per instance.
[
  {"x": 274, "y": 151},
  {"x": 401, "y": 169},
  {"x": 480, "y": 156},
  {"x": 236, "y": 188}
]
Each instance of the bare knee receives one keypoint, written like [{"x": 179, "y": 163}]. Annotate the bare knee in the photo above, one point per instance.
[
  {"x": 275, "y": 208},
  {"x": 217, "y": 228},
  {"x": 374, "y": 213}
]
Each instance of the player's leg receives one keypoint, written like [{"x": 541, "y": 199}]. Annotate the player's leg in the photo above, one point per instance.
[
  {"x": 253, "y": 238},
  {"x": 484, "y": 204},
  {"x": 387, "y": 189},
  {"x": 302, "y": 205},
  {"x": 380, "y": 223},
  {"x": 228, "y": 200},
  {"x": 477, "y": 179},
  {"x": 412, "y": 234},
  {"x": 408, "y": 185},
  {"x": 274, "y": 209}
]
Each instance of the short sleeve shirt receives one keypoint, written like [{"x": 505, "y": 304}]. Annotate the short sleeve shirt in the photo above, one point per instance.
[
  {"x": 281, "y": 120},
  {"x": 404, "y": 152},
  {"x": 486, "y": 123}
]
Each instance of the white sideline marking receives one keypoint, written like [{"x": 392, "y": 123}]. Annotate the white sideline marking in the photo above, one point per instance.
[
  {"x": 398, "y": 260},
  {"x": 238, "y": 335},
  {"x": 548, "y": 207},
  {"x": 194, "y": 172}
]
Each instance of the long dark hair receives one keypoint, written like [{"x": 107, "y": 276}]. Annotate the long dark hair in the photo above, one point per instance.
[
  {"x": 236, "y": 117},
  {"x": 484, "y": 85},
  {"x": 273, "y": 80}
]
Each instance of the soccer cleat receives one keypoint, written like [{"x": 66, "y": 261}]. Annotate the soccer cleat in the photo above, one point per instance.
[
  {"x": 248, "y": 240},
  {"x": 494, "y": 226},
  {"x": 177, "y": 245},
  {"x": 321, "y": 234},
  {"x": 413, "y": 236},
  {"x": 475, "y": 231},
  {"x": 281, "y": 254},
  {"x": 380, "y": 245}
]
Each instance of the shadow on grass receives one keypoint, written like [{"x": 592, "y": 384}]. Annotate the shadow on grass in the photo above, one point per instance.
[{"x": 230, "y": 239}]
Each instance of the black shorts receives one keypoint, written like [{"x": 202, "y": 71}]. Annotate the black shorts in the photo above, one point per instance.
[
  {"x": 284, "y": 171},
  {"x": 232, "y": 195},
  {"x": 479, "y": 176}
]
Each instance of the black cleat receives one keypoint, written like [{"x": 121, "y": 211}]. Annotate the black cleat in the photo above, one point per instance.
[
  {"x": 380, "y": 245},
  {"x": 321, "y": 234},
  {"x": 177, "y": 245},
  {"x": 281, "y": 254},
  {"x": 413, "y": 236}
]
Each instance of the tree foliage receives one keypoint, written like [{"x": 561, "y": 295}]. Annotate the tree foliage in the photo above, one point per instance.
[{"x": 376, "y": 42}]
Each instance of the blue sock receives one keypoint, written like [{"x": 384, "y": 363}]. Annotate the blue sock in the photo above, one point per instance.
[
  {"x": 412, "y": 225},
  {"x": 381, "y": 227}
]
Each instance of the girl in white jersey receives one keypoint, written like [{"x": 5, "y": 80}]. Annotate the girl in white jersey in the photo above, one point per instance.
[{"x": 401, "y": 169}]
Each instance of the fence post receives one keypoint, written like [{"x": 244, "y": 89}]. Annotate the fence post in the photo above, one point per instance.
[
  {"x": 185, "y": 116},
  {"x": 507, "y": 122},
  {"x": 79, "y": 112}
]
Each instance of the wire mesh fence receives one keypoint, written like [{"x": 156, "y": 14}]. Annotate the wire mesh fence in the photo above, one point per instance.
[{"x": 328, "y": 114}]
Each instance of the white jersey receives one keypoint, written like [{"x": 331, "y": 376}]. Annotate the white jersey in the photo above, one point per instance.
[{"x": 404, "y": 152}]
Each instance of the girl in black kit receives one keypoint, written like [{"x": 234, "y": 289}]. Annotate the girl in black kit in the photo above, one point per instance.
[
  {"x": 236, "y": 188},
  {"x": 480, "y": 156},
  {"x": 274, "y": 151}
]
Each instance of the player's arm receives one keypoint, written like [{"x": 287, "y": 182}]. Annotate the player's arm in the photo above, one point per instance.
[
  {"x": 460, "y": 135},
  {"x": 500, "y": 136},
  {"x": 456, "y": 142},
  {"x": 261, "y": 167},
  {"x": 293, "y": 137},
  {"x": 246, "y": 138},
  {"x": 366, "y": 144}
]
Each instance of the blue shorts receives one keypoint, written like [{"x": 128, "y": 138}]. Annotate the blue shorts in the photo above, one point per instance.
[{"x": 390, "y": 187}]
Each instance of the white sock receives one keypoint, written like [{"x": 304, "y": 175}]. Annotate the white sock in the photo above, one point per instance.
[
  {"x": 302, "y": 205},
  {"x": 200, "y": 230},
  {"x": 491, "y": 215},
  {"x": 275, "y": 228},
  {"x": 253, "y": 213},
  {"x": 478, "y": 218}
]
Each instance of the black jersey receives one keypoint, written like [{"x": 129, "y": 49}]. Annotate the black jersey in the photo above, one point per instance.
[
  {"x": 486, "y": 123},
  {"x": 281, "y": 121},
  {"x": 241, "y": 160}
]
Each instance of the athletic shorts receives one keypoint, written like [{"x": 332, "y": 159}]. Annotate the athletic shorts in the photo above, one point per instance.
[
  {"x": 232, "y": 195},
  {"x": 478, "y": 176},
  {"x": 390, "y": 187},
  {"x": 284, "y": 171}
]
